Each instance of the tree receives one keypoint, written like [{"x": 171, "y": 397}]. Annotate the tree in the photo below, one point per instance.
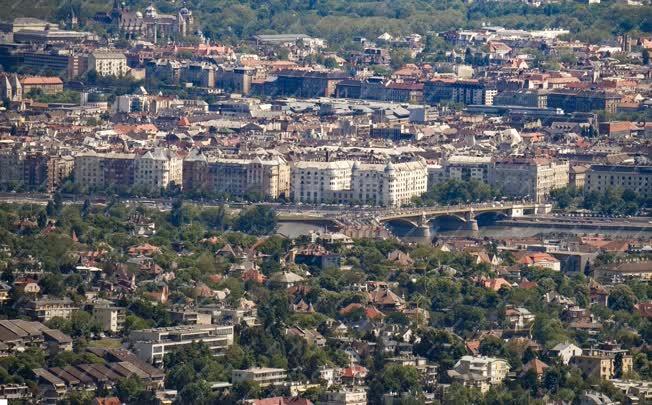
[
  {"x": 177, "y": 214},
  {"x": 86, "y": 208},
  {"x": 127, "y": 389},
  {"x": 258, "y": 220},
  {"x": 58, "y": 203},
  {"x": 622, "y": 298},
  {"x": 646, "y": 56},
  {"x": 52, "y": 284},
  {"x": 398, "y": 378}
]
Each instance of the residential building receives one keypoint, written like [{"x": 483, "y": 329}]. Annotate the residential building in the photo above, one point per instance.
[
  {"x": 111, "y": 318},
  {"x": 152, "y": 344},
  {"x": 108, "y": 63},
  {"x": 43, "y": 309},
  {"x": 518, "y": 318},
  {"x": 479, "y": 371},
  {"x": 306, "y": 83},
  {"x": 466, "y": 168},
  {"x": 16, "y": 335},
  {"x": 468, "y": 92},
  {"x": 104, "y": 170},
  {"x": 264, "y": 376},
  {"x": 539, "y": 259},
  {"x": 268, "y": 178},
  {"x": 583, "y": 100},
  {"x": 523, "y": 98},
  {"x": 158, "y": 169},
  {"x": 565, "y": 352},
  {"x": 344, "y": 182},
  {"x": 601, "y": 366},
  {"x": 34, "y": 171},
  {"x": 532, "y": 178},
  {"x": 235, "y": 80},
  {"x": 346, "y": 396},
  {"x": 636, "y": 178}
]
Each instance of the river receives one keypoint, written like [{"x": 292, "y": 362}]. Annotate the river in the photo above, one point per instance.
[{"x": 406, "y": 233}]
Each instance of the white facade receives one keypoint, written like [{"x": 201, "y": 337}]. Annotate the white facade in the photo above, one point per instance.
[
  {"x": 347, "y": 397},
  {"x": 344, "y": 182},
  {"x": 111, "y": 318},
  {"x": 158, "y": 169},
  {"x": 108, "y": 63},
  {"x": 152, "y": 344},
  {"x": 262, "y": 375}
]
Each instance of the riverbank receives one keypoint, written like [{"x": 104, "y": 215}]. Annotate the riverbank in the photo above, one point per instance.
[{"x": 579, "y": 225}]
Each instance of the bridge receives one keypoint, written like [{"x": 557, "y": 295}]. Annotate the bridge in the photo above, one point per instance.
[{"x": 465, "y": 216}]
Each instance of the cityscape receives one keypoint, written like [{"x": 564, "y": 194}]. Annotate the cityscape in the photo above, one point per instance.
[{"x": 288, "y": 202}]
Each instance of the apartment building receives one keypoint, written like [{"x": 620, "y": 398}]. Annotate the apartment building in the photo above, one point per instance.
[
  {"x": 264, "y": 376},
  {"x": 111, "y": 318},
  {"x": 467, "y": 168},
  {"x": 601, "y": 366},
  {"x": 152, "y": 344},
  {"x": 344, "y": 182},
  {"x": 158, "y": 169},
  {"x": 479, "y": 371},
  {"x": 33, "y": 170},
  {"x": 346, "y": 396},
  {"x": 636, "y": 178},
  {"x": 108, "y": 63},
  {"x": 583, "y": 100},
  {"x": 43, "y": 309},
  {"x": 533, "y": 178},
  {"x": 104, "y": 170},
  {"x": 320, "y": 182},
  {"x": 456, "y": 91},
  {"x": 268, "y": 178}
]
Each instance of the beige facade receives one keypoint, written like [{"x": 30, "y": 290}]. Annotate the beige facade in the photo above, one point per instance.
[
  {"x": 636, "y": 178},
  {"x": 269, "y": 178},
  {"x": 351, "y": 396},
  {"x": 263, "y": 376},
  {"x": 479, "y": 371},
  {"x": 530, "y": 178},
  {"x": 101, "y": 170},
  {"x": 108, "y": 63},
  {"x": 111, "y": 319},
  {"x": 601, "y": 366}
]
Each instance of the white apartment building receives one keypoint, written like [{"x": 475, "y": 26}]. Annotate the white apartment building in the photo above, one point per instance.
[
  {"x": 636, "y": 178},
  {"x": 108, "y": 63},
  {"x": 343, "y": 182},
  {"x": 352, "y": 396},
  {"x": 533, "y": 178},
  {"x": 112, "y": 319},
  {"x": 264, "y": 376},
  {"x": 152, "y": 344},
  {"x": 479, "y": 371},
  {"x": 158, "y": 168},
  {"x": 317, "y": 182}
]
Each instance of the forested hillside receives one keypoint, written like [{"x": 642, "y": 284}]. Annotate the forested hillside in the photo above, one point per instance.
[{"x": 341, "y": 20}]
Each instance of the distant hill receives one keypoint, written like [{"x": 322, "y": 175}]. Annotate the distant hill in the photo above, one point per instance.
[{"x": 340, "y": 20}]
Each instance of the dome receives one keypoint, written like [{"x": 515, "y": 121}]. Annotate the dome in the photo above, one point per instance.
[
  {"x": 139, "y": 14},
  {"x": 356, "y": 165},
  {"x": 389, "y": 168},
  {"x": 185, "y": 11}
]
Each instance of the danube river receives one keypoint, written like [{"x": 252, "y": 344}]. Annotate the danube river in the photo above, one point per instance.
[{"x": 408, "y": 234}]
